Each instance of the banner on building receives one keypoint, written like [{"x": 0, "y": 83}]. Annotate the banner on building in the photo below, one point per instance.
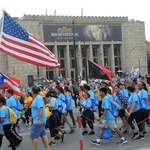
[{"x": 63, "y": 33}]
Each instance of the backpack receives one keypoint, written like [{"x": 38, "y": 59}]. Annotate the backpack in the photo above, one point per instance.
[
  {"x": 63, "y": 108},
  {"x": 19, "y": 106},
  {"x": 106, "y": 133},
  {"x": 12, "y": 115},
  {"x": 47, "y": 112},
  {"x": 96, "y": 100},
  {"x": 114, "y": 109}
]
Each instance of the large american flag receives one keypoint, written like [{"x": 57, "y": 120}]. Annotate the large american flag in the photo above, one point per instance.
[{"x": 20, "y": 44}]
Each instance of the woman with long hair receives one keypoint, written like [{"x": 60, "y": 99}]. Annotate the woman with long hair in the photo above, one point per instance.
[
  {"x": 135, "y": 113},
  {"x": 54, "y": 120}
]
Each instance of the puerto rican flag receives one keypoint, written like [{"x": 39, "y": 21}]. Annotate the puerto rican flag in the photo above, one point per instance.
[{"x": 10, "y": 83}]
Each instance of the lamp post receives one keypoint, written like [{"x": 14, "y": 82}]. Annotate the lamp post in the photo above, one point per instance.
[
  {"x": 75, "y": 54},
  {"x": 86, "y": 66},
  {"x": 38, "y": 74}
]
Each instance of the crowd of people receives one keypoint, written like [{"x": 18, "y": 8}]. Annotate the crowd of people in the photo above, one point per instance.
[{"x": 94, "y": 101}]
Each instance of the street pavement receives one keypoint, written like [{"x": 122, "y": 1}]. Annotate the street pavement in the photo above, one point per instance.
[{"x": 72, "y": 141}]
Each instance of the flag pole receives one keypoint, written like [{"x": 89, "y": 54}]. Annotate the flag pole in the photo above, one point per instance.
[{"x": 2, "y": 24}]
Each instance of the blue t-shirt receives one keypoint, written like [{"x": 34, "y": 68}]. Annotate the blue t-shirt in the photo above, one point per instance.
[
  {"x": 11, "y": 103},
  {"x": 124, "y": 92},
  {"x": 4, "y": 114},
  {"x": 143, "y": 94},
  {"x": 92, "y": 96},
  {"x": 86, "y": 102},
  {"x": 69, "y": 101},
  {"x": 53, "y": 101},
  {"x": 106, "y": 105},
  {"x": 61, "y": 97},
  {"x": 117, "y": 100},
  {"x": 134, "y": 98},
  {"x": 38, "y": 103}
]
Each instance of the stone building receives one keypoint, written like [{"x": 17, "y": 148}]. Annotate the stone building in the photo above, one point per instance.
[{"x": 115, "y": 42}]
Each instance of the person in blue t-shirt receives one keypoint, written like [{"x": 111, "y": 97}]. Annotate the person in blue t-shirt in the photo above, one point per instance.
[
  {"x": 54, "y": 120},
  {"x": 144, "y": 104},
  {"x": 122, "y": 113},
  {"x": 123, "y": 90},
  {"x": 6, "y": 125},
  {"x": 11, "y": 103},
  {"x": 62, "y": 99},
  {"x": 69, "y": 104},
  {"x": 107, "y": 119},
  {"x": 87, "y": 115},
  {"x": 92, "y": 98},
  {"x": 38, "y": 119},
  {"x": 135, "y": 113}
]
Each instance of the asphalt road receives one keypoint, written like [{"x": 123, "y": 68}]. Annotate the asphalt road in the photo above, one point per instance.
[{"x": 72, "y": 141}]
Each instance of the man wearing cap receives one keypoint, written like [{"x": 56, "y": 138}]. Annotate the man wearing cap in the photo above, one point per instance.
[{"x": 107, "y": 84}]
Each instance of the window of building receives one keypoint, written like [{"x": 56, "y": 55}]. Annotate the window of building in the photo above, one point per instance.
[
  {"x": 95, "y": 52},
  {"x": 83, "y": 63},
  {"x": 83, "y": 52},
  {"x": 95, "y": 60},
  {"x": 106, "y": 62},
  {"x": 72, "y": 74},
  {"x": 106, "y": 50},
  {"x": 62, "y": 63},
  {"x": 62, "y": 73},
  {"x": 49, "y": 75},
  {"x": 83, "y": 73},
  {"x": 72, "y": 63},
  {"x": 116, "y": 50},
  {"x": 71, "y": 52},
  {"x": 60, "y": 53}
]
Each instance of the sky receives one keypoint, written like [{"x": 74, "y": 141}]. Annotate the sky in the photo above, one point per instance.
[{"x": 133, "y": 9}]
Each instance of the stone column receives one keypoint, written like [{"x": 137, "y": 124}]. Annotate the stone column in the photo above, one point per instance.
[
  {"x": 56, "y": 73},
  {"x": 79, "y": 59},
  {"x": 90, "y": 52},
  {"x": 112, "y": 57},
  {"x": 67, "y": 61}
]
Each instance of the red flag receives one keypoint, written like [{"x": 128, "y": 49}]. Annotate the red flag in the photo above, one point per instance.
[
  {"x": 5, "y": 81},
  {"x": 18, "y": 43},
  {"x": 99, "y": 72}
]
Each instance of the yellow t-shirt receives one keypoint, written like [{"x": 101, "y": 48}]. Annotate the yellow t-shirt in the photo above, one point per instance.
[
  {"x": 81, "y": 95},
  {"x": 97, "y": 92},
  {"x": 27, "y": 102},
  {"x": 42, "y": 93}
]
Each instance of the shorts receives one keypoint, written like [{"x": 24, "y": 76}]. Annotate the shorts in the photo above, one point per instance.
[
  {"x": 111, "y": 124},
  {"x": 145, "y": 115},
  {"x": 121, "y": 113},
  {"x": 37, "y": 131}
]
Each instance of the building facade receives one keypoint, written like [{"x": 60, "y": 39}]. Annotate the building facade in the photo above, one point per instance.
[{"x": 114, "y": 42}]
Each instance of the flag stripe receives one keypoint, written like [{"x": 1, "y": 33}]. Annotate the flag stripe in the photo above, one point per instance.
[
  {"x": 25, "y": 47},
  {"x": 21, "y": 50},
  {"x": 33, "y": 40},
  {"x": 27, "y": 58}
]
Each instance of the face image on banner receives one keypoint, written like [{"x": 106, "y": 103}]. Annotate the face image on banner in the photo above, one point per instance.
[{"x": 102, "y": 33}]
